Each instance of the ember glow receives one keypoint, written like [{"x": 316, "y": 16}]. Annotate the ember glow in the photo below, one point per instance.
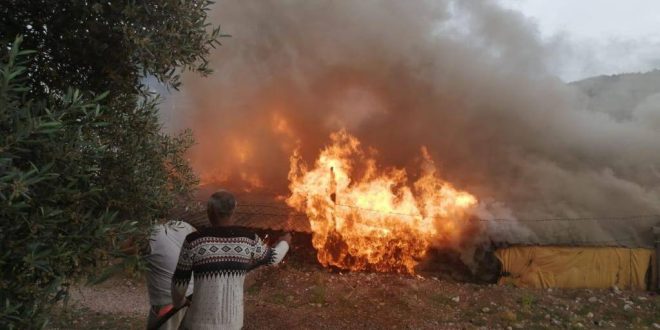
[{"x": 364, "y": 217}]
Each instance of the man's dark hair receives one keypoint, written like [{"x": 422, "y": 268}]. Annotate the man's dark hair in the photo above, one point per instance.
[{"x": 220, "y": 207}]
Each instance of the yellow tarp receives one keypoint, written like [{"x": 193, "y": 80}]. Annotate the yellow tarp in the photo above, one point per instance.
[{"x": 575, "y": 267}]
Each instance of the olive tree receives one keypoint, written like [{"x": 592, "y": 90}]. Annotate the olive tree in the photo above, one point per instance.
[{"x": 84, "y": 163}]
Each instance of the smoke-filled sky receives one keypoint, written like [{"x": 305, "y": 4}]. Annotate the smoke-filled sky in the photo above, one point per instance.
[
  {"x": 599, "y": 36},
  {"x": 475, "y": 83}
]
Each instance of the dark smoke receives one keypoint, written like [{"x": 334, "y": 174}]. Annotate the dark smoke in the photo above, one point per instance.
[{"x": 467, "y": 79}]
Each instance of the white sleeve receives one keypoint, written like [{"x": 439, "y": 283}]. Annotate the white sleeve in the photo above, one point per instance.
[
  {"x": 278, "y": 252},
  {"x": 265, "y": 255}
]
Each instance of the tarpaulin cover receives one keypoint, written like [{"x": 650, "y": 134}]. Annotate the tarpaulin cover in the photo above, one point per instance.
[{"x": 575, "y": 267}]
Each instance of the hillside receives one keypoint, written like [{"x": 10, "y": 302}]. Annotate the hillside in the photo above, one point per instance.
[{"x": 629, "y": 96}]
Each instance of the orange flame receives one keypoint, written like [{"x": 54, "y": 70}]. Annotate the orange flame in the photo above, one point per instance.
[
  {"x": 236, "y": 169},
  {"x": 375, "y": 221}
]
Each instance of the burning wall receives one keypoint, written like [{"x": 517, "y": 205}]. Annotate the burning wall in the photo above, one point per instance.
[{"x": 466, "y": 79}]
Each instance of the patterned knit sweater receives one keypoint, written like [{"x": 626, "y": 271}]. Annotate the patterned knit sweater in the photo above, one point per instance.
[{"x": 219, "y": 258}]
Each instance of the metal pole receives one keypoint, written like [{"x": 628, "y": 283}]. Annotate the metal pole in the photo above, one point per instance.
[
  {"x": 169, "y": 314},
  {"x": 656, "y": 233}
]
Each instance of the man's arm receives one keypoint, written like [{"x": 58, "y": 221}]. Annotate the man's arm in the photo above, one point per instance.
[
  {"x": 182, "y": 274},
  {"x": 265, "y": 255}
]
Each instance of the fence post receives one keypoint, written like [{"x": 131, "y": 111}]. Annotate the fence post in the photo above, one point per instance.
[{"x": 656, "y": 233}]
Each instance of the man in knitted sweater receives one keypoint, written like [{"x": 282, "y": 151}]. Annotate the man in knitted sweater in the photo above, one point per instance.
[{"x": 219, "y": 257}]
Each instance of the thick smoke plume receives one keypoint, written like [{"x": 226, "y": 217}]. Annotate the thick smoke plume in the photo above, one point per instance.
[{"x": 466, "y": 79}]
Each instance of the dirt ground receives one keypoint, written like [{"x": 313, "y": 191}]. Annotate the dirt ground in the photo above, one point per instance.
[{"x": 304, "y": 296}]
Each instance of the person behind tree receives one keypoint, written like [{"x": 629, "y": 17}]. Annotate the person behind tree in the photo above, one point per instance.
[
  {"x": 219, "y": 257},
  {"x": 164, "y": 246}
]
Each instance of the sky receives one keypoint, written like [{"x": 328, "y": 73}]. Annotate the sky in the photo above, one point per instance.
[{"x": 597, "y": 36}]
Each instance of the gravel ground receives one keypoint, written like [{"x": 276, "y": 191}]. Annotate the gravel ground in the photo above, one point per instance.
[
  {"x": 303, "y": 296},
  {"x": 118, "y": 295}
]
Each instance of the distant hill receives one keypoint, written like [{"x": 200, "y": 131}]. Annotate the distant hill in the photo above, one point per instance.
[{"x": 623, "y": 96}]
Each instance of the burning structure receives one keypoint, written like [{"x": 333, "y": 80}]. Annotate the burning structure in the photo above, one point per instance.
[
  {"x": 447, "y": 130},
  {"x": 374, "y": 221}
]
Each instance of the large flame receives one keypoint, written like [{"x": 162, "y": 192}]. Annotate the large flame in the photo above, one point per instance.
[{"x": 367, "y": 218}]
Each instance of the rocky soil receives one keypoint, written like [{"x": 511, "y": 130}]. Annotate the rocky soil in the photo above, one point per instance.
[{"x": 303, "y": 296}]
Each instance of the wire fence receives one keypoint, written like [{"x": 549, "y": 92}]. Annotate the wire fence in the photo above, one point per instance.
[
  {"x": 291, "y": 212},
  {"x": 250, "y": 213}
]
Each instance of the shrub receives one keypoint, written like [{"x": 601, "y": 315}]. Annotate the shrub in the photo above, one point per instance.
[
  {"x": 55, "y": 221},
  {"x": 84, "y": 164}
]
